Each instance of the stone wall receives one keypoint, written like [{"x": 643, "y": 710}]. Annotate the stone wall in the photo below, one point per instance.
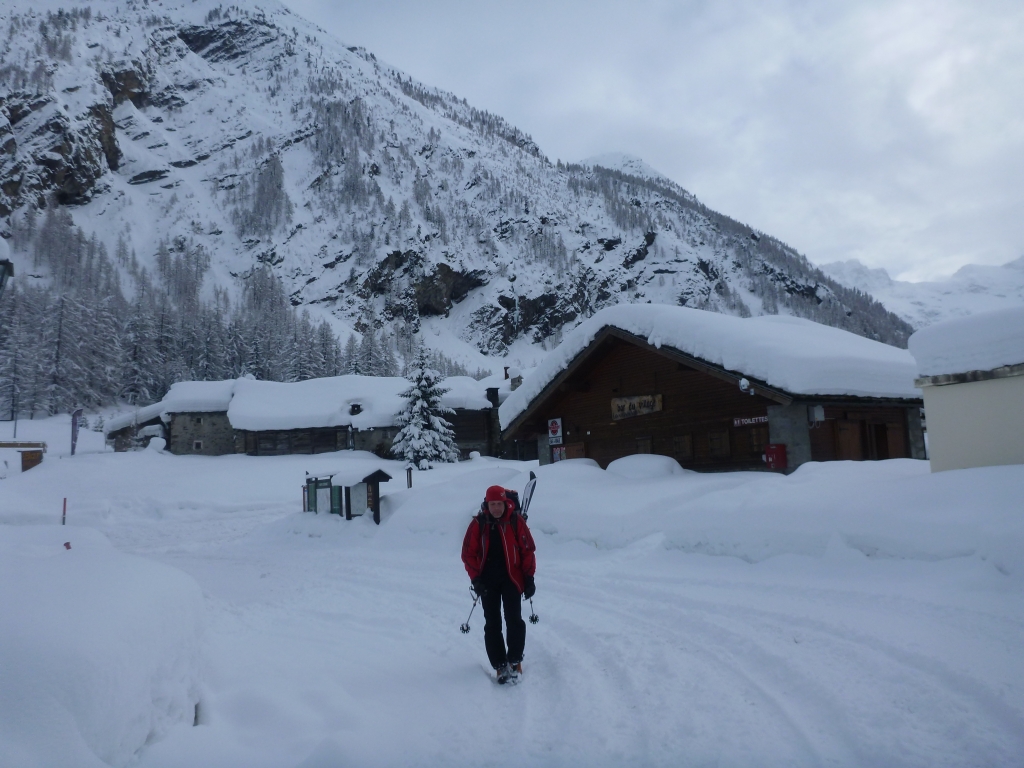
[
  {"x": 201, "y": 434},
  {"x": 788, "y": 424}
]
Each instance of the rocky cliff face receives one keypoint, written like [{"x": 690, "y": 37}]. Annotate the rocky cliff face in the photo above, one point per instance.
[{"x": 379, "y": 201}]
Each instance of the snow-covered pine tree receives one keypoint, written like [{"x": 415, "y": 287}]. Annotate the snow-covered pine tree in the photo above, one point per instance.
[{"x": 425, "y": 436}]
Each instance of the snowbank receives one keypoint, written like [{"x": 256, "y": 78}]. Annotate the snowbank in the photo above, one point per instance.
[
  {"x": 891, "y": 509},
  {"x": 99, "y": 650},
  {"x": 977, "y": 343},
  {"x": 646, "y": 465},
  {"x": 795, "y": 355}
]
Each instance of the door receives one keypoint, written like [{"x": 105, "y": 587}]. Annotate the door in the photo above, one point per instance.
[
  {"x": 823, "y": 441},
  {"x": 878, "y": 441},
  {"x": 575, "y": 451},
  {"x": 897, "y": 442},
  {"x": 849, "y": 444},
  {"x": 323, "y": 498}
]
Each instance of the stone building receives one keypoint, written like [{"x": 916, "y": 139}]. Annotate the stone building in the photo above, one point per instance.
[{"x": 263, "y": 418}]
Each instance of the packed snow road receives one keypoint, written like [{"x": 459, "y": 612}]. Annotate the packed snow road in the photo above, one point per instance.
[{"x": 829, "y": 635}]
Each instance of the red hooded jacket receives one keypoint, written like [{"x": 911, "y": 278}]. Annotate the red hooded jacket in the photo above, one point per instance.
[{"x": 519, "y": 547}]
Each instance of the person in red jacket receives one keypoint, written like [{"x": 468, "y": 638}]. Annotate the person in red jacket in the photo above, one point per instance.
[{"x": 498, "y": 552}]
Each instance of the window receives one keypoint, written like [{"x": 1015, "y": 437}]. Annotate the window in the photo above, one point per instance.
[
  {"x": 758, "y": 440},
  {"x": 718, "y": 442},
  {"x": 682, "y": 447},
  {"x": 197, "y": 445},
  {"x": 199, "y": 420},
  {"x": 643, "y": 445}
]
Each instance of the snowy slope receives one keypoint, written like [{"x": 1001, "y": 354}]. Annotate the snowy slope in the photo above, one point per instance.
[
  {"x": 379, "y": 201},
  {"x": 971, "y": 289}
]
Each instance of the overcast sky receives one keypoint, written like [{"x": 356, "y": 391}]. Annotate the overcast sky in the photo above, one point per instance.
[{"x": 891, "y": 132}]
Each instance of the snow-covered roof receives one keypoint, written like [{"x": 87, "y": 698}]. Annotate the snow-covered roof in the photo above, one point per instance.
[
  {"x": 353, "y": 475},
  {"x": 795, "y": 355},
  {"x": 261, "y": 405},
  {"x": 327, "y": 402},
  {"x": 503, "y": 385},
  {"x": 199, "y": 396},
  {"x": 138, "y": 416},
  {"x": 979, "y": 342}
]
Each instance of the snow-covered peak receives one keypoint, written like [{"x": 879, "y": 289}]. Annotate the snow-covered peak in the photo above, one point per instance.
[
  {"x": 971, "y": 289},
  {"x": 629, "y": 164}
]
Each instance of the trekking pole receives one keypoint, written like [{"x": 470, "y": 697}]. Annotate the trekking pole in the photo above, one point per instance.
[
  {"x": 534, "y": 618},
  {"x": 465, "y": 627}
]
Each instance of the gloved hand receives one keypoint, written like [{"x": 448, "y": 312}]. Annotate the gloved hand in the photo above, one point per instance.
[
  {"x": 531, "y": 588},
  {"x": 479, "y": 587}
]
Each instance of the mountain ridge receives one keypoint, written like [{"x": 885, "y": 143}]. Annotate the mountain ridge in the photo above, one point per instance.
[
  {"x": 971, "y": 289},
  {"x": 379, "y": 202}
]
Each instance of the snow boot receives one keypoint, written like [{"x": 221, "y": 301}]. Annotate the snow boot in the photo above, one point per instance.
[{"x": 507, "y": 675}]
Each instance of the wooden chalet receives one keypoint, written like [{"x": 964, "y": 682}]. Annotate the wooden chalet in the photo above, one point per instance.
[{"x": 621, "y": 394}]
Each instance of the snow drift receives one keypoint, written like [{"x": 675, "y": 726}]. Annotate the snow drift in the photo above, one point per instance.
[{"x": 99, "y": 650}]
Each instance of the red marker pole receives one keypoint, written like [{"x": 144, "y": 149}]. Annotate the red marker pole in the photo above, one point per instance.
[{"x": 64, "y": 515}]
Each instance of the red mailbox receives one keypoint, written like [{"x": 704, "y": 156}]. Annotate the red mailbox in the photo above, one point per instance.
[{"x": 775, "y": 455}]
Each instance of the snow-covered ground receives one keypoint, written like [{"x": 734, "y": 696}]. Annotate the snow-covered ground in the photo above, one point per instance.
[{"x": 849, "y": 614}]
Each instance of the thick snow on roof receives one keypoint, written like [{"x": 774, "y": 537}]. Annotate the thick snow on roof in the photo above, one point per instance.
[
  {"x": 795, "y": 355},
  {"x": 199, "y": 396},
  {"x": 138, "y": 416},
  {"x": 503, "y": 385},
  {"x": 262, "y": 405},
  {"x": 976, "y": 343}
]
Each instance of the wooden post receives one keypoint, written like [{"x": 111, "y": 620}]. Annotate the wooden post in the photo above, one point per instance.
[
  {"x": 64, "y": 514},
  {"x": 373, "y": 500},
  {"x": 408, "y": 477}
]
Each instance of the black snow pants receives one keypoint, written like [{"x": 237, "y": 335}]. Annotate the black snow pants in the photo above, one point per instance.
[{"x": 508, "y": 594}]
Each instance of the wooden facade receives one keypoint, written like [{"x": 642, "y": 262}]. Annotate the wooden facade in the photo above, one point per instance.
[
  {"x": 859, "y": 433},
  {"x": 696, "y": 413},
  {"x": 284, "y": 442}
]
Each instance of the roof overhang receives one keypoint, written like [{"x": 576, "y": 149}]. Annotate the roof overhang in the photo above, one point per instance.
[{"x": 941, "y": 380}]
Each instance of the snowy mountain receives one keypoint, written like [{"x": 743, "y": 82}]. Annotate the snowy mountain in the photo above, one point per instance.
[
  {"x": 248, "y": 136},
  {"x": 971, "y": 289}
]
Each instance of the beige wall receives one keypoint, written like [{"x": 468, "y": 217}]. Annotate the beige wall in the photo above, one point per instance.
[{"x": 977, "y": 424}]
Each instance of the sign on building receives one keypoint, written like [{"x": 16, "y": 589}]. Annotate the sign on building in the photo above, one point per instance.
[
  {"x": 746, "y": 422},
  {"x": 554, "y": 431},
  {"x": 626, "y": 407}
]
